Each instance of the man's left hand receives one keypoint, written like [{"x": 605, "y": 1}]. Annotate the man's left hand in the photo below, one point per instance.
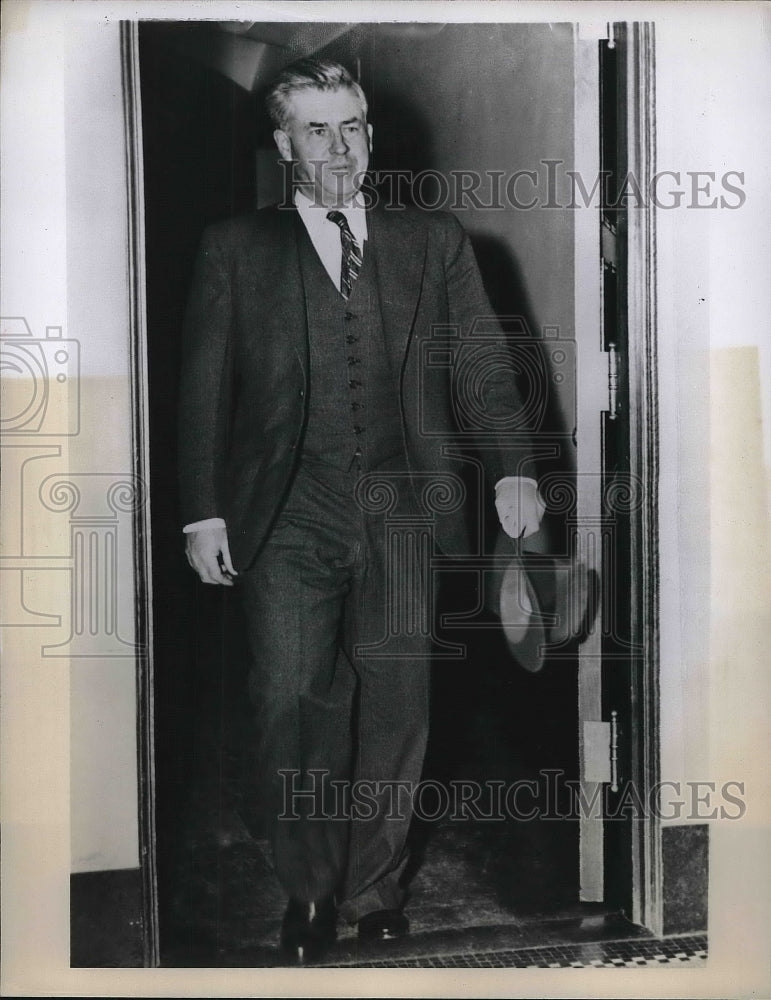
[{"x": 519, "y": 505}]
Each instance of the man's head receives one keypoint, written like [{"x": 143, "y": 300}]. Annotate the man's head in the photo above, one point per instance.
[{"x": 320, "y": 114}]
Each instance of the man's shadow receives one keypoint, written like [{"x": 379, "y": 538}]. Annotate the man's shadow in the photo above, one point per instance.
[{"x": 483, "y": 706}]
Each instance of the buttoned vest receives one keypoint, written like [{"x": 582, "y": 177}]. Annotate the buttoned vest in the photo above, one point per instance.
[{"x": 354, "y": 420}]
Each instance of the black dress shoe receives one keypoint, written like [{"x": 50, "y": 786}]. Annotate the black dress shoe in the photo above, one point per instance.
[
  {"x": 308, "y": 930},
  {"x": 383, "y": 925}
]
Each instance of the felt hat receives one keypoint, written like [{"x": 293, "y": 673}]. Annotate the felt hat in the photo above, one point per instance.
[{"x": 544, "y": 603}]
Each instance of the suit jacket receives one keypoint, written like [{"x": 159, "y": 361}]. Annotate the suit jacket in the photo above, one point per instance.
[{"x": 244, "y": 375}]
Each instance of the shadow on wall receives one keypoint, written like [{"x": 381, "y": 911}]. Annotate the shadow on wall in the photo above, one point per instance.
[
  {"x": 506, "y": 288},
  {"x": 410, "y": 139},
  {"x": 554, "y": 439}
]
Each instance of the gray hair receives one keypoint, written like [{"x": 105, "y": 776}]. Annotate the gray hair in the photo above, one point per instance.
[{"x": 308, "y": 74}]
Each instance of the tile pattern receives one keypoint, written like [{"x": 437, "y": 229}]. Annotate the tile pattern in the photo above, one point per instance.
[{"x": 688, "y": 950}]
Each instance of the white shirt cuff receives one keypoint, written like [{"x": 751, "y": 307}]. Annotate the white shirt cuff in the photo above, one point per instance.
[
  {"x": 515, "y": 479},
  {"x": 209, "y": 522}
]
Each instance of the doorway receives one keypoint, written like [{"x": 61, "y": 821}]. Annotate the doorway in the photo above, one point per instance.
[{"x": 480, "y": 105}]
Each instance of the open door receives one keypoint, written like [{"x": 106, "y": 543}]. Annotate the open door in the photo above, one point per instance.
[
  {"x": 617, "y": 434},
  {"x": 613, "y": 527}
]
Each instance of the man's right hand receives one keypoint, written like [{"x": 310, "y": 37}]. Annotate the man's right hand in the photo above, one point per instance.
[{"x": 208, "y": 553}]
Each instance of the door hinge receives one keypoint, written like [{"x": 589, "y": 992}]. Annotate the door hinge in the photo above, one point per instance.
[
  {"x": 609, "y": 243},
  {"x": 612, "y": 381},
  {"x": 601, "y": 752},
  {"x": 609, "y": 258}
]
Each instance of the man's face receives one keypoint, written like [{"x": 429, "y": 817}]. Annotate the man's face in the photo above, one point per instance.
[{"x": 330, "y": 140}]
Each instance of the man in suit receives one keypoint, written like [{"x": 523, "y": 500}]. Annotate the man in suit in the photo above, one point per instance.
[{"x": 304, "y": 391}]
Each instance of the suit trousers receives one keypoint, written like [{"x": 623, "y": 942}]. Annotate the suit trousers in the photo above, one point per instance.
[{"x": 338, "y": 727}]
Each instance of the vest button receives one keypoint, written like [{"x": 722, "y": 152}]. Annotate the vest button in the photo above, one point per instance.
[{"x": 349, "y": 316}]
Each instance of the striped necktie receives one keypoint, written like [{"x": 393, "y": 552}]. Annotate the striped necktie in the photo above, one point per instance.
[{"x": 351, "y": 262}]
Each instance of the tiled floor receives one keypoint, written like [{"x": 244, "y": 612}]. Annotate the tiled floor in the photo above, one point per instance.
[{"x": 634, "y": 953}]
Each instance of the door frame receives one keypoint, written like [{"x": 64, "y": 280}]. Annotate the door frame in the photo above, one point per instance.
[
  {"x": 618, "y": 388},
  {"x": 639, "y": 124},
  {"x": 637, "y": 103},
  {"x": 140, "y": 451}
]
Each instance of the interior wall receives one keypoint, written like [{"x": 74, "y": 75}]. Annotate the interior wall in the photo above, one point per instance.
[
  {"x": 34, "y": 710},
  {"x": 70, "y": 799},
  {"x": 104, "y": 800},
  {"x": 707, "y": 300},
  {"x": 486, "y": 99},
  {"x": 490, "y": 97},
  {"x": 715, "y": 554}
]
